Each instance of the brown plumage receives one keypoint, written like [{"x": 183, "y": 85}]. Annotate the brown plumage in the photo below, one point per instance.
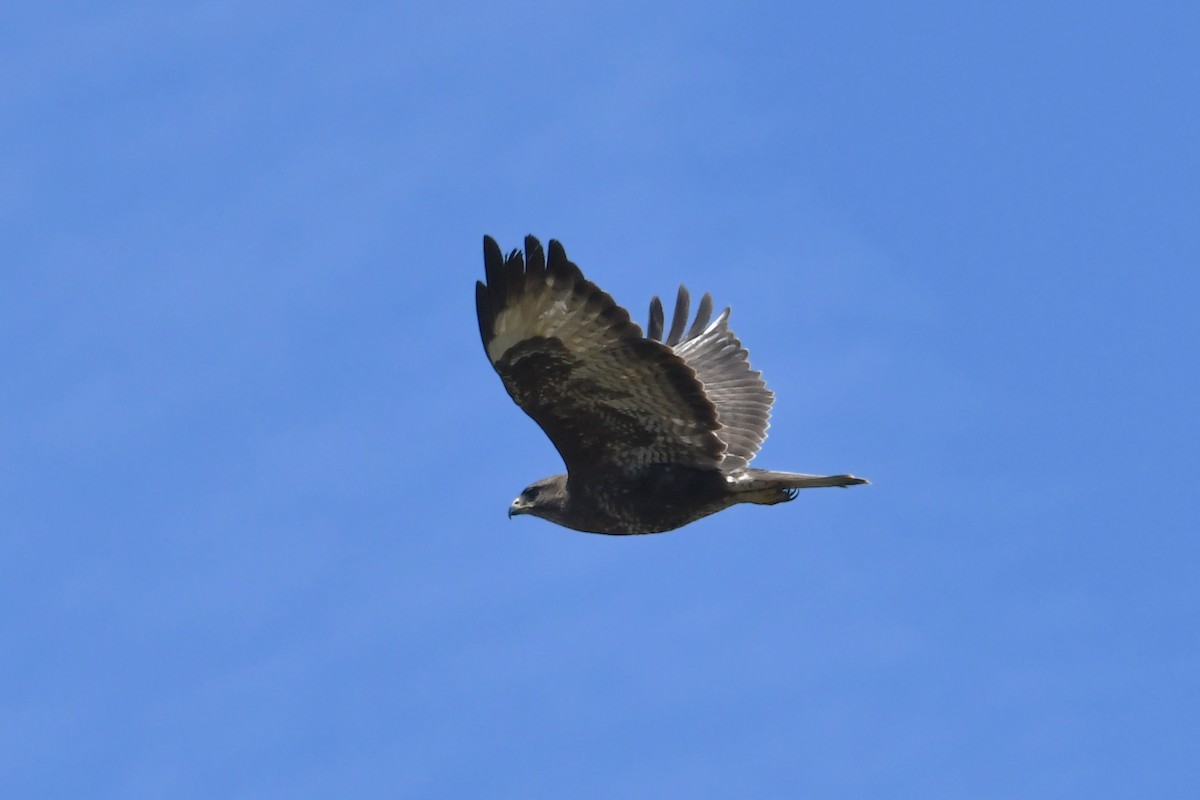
[{"x": 655, "y": 432}]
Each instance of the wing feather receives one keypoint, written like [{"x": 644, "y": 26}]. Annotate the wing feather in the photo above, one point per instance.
[
  {"x": 703, "y": 315},
  {"x": 572, "y": 359},
  {"x": 682, "y": 302},
  {"x": 655, "y": 329},
  {"x": 722, "y": 366}
]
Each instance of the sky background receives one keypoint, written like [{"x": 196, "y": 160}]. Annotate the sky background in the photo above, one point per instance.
[{"x": 254, "y": 466}]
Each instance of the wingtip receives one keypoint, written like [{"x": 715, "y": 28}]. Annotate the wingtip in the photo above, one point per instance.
[
  {"x": 560, "y": 267},
  {"x": 493, "y": 263},
  {"x": 703, "y": 315},
  {"x": 535, "y": 257},
  {"x": 654, "y": 329},
  {"x": 491, "y": 250},
  {"x": 683, "y": 302}
]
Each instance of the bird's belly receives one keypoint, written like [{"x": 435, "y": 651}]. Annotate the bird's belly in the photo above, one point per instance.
[{"x": 652, "y": 499}]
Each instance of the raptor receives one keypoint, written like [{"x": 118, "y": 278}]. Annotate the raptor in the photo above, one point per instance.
[{"x": 656, "y": 431}]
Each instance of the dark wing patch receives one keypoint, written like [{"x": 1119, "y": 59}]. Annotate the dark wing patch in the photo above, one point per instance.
[
  {"x": 722, "y": 365},
  {"x": 572, "y": 359}
]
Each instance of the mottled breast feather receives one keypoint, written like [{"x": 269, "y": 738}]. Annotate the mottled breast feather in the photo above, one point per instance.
[{"x": 608, "y": 398}]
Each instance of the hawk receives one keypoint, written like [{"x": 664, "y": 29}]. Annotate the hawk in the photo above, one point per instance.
[{"x": 655, "y": 432}]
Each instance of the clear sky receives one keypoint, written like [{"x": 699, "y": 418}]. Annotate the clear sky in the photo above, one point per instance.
[{"x": 254, "y": 466}]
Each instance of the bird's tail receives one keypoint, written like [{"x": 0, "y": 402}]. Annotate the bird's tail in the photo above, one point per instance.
[{"x": 768, "y": 487}]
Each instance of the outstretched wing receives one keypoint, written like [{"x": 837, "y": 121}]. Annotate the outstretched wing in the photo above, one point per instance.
[
  {"x": 722, "y": 366},
  {"x": 607, "y": 397}
]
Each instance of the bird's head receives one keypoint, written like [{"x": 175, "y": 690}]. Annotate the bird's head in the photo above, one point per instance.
[{"x": 546, "y": 498}]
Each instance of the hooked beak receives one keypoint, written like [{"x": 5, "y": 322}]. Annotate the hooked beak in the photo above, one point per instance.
[{"x": 517, "y": 507}]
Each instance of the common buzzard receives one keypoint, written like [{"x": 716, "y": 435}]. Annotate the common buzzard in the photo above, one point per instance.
[{"x": 655, "y": 432}]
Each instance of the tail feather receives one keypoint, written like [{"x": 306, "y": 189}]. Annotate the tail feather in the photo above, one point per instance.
[{"x": 768, "y": 487}]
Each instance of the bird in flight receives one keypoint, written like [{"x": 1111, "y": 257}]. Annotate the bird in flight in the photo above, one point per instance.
[{"x": 655, "y": 432}]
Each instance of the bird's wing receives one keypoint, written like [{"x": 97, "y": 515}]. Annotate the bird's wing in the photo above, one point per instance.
[
  {"x": 607, "y": 397},
  {"x": 722, "y": 365}
]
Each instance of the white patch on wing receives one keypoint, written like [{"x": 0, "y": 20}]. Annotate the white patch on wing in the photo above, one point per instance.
[
  {"x": 512, "y": 325},
  {"x": 556, "y": 309},
  {"x": 532, "y": 317}
]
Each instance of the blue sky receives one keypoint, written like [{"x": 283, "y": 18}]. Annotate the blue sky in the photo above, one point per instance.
[{"x": 255, "y": 466}]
